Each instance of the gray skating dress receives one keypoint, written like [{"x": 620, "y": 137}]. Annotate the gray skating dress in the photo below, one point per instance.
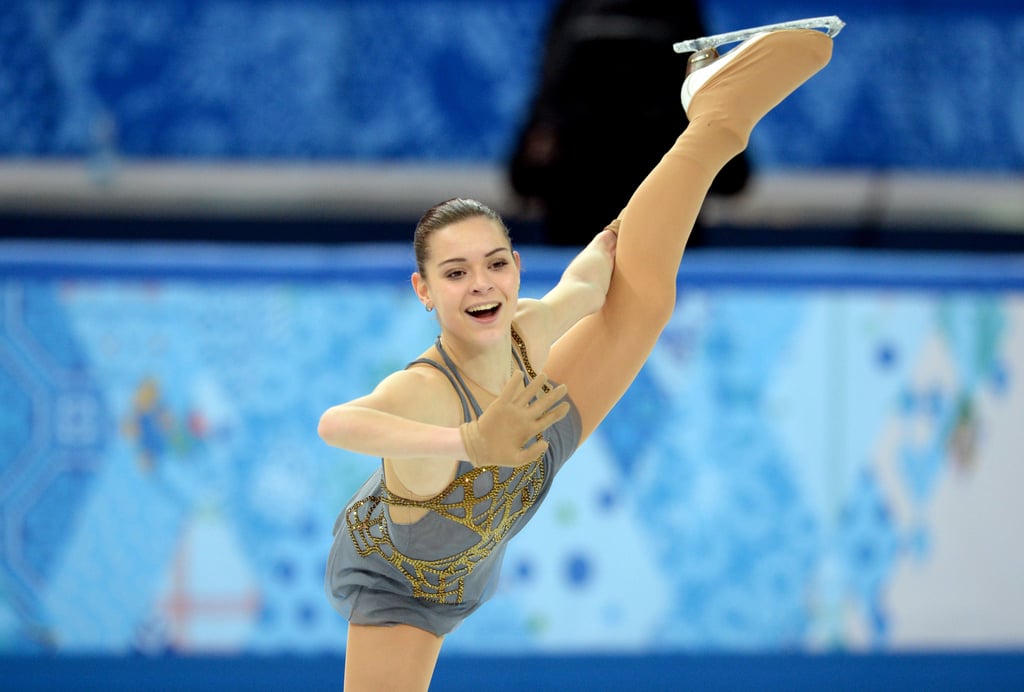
[{"x": 434, "y": 572}]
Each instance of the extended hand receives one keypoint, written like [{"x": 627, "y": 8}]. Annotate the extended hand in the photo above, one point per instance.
[{"x": 498, "y": 436}]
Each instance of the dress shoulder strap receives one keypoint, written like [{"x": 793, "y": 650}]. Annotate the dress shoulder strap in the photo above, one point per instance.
[
  {"x": 469, "y": 403},
  {"x": 466, "y": 415}
]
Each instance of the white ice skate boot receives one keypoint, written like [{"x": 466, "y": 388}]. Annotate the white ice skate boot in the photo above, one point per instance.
[{"x": 706, "y": 61}]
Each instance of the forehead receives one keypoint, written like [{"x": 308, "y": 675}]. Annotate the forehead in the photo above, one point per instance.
[{"x": 467, "y": 238}]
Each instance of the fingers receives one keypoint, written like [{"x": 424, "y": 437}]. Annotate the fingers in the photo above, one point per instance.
[
  {"x": 515, "y": 393},
  {"x": 531, "y": 389},
  {"x": 534, "y": 451},
  {"x": 611, "y": 240},
  {"x": 546, "y": 400},
  {"x": 536, "y": 410},
  {"x": 553, "y": 416},
  {"x": 522, "y": 396}
]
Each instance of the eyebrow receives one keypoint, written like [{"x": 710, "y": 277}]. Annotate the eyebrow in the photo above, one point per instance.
[{"x": 463, "y": 259}]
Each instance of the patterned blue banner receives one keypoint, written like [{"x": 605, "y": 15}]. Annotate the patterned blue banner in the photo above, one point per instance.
[
  {"x": 913, "y": 85},
  {"x": 807, "y": 461}
]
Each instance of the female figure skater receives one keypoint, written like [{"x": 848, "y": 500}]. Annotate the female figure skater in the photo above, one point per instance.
[{"x": 472, "y": 433}]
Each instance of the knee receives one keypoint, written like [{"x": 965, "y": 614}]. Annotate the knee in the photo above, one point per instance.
[
  {"x": 638, "y": 306},
  {"x": 659, "y": 306},
  {"x": 649, "y": 313},
  {"x": 661, "y": 313}
]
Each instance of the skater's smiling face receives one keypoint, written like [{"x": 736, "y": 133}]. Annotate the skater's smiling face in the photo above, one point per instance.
[{"x": 469, "y": 273}]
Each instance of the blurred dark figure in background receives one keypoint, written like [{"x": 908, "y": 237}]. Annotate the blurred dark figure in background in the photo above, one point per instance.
[{"x": 608, "y": 69}]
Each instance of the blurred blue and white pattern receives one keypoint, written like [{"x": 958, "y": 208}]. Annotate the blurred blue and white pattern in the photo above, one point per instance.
[
  {"x": 811, "y": 461},
  {"x": 360, "y": 80},
  {"x": 913, "y": 85}
]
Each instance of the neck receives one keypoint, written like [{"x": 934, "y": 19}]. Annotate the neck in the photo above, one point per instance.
[{"x": 487, "y": 367}]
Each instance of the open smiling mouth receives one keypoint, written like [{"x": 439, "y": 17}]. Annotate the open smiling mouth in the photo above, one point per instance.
[{"x": 484, "y": 311}]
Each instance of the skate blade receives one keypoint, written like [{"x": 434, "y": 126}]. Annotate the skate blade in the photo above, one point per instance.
[{"x": 832, "y": 26}]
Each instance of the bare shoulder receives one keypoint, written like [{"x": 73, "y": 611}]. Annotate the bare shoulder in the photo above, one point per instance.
[
  {"x": 420, "y": 392},
  {"x": 423, "y": 393}
]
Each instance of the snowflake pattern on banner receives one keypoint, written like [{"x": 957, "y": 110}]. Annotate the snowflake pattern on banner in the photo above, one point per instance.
[
  {"x": 791, "y": 470},
  {"x": 909, "y": 87}
]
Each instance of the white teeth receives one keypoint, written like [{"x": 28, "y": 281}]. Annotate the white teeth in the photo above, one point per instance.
[{"x": 482, "y": 308}]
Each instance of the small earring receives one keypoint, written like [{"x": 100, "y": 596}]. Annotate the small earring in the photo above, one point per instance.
[{"x": 429, "y": 307}]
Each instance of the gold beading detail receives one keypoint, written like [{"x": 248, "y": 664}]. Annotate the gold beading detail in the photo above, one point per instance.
[{"x": 490, "y": 515}]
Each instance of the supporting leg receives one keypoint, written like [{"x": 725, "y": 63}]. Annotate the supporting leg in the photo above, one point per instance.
[{"x": 397, "y": 658}]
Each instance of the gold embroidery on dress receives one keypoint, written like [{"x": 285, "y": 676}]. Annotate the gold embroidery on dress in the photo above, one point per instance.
[{"x": 491, "y": 515}]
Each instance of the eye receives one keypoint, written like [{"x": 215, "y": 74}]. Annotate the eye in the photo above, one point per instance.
[
  {"x": 455, "y": 274},
  {"x": 499, "y": 264}
]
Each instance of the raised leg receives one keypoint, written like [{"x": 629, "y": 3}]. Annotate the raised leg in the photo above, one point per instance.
[{"x": 601, "y": 355}]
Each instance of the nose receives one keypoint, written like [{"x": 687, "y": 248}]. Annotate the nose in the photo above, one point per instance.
[{"x": 482, "y": 283}]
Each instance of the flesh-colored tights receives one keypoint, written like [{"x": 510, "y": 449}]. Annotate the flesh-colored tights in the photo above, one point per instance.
[{"x": 601, "y": 355}]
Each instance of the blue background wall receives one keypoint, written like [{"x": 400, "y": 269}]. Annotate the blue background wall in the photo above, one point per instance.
[
  {"x": 919, "y": 85},
  {"x": 822, "y": 451}
]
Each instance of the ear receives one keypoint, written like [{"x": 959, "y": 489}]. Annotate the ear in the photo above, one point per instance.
[
  {"x": 419, "y": 284},
  {"x": 518, "y": 261}
]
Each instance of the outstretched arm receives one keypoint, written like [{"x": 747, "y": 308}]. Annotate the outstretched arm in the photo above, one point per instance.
[
  {"x": 400, "y": 419},
  {"x": 580, "y": 291}
]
